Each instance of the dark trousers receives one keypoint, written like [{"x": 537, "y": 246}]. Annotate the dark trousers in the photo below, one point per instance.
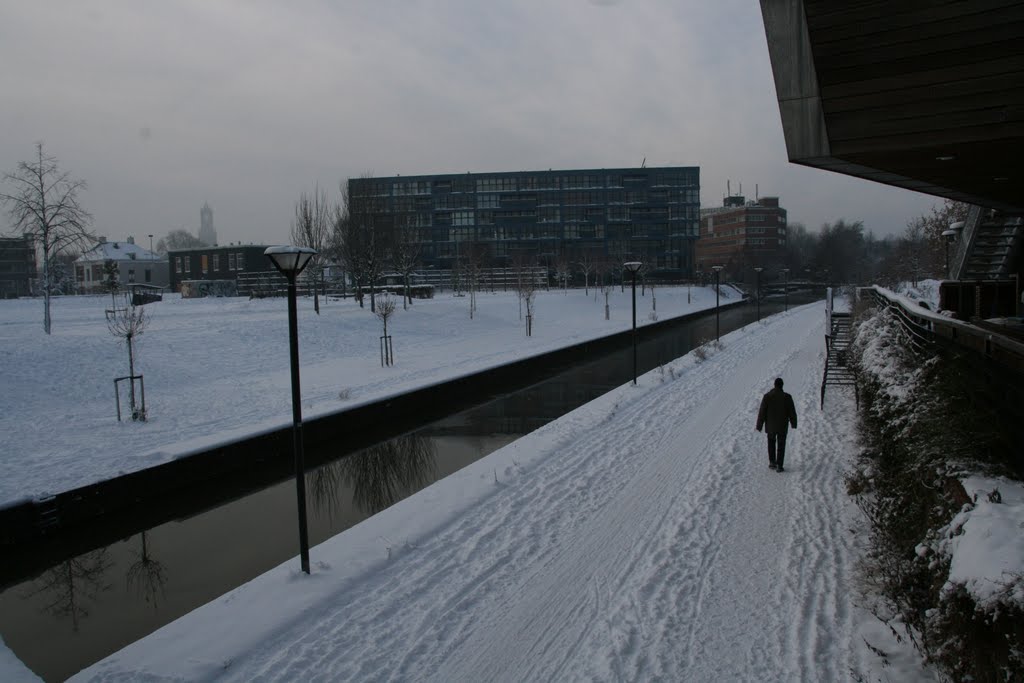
[{"x": 776, "y": 448}]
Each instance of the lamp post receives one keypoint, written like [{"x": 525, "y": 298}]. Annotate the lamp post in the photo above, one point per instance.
[
  {"x": 785, "y": 288},
  {"x": 290, "y": 261},
  {"x": 633, "y": 267},
  {"x": 717, "y": 269},
  {"x": 758, "y": 271}
]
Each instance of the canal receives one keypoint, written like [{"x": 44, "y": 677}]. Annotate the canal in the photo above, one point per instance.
[{"x": 87, "y": 604}]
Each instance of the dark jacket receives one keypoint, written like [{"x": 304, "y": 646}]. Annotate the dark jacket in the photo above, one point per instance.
[{"x": 777, "y": 412}]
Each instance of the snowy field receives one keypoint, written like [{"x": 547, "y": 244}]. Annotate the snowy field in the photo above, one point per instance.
[
  {"x": 217, "y": 369},
  {"x": 640, "y": 537}
]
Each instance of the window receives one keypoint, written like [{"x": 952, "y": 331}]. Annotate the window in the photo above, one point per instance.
[
  {"x": 462, "y": 218},
  {"x": 177, "y": 264},
  {"x": 216, "y": 262},
  {"x": 149, "y": 275},
  {"x": 188, "y": 264},
  {"x": 231, "y": 261},
  {"x": 131, "y": 275},
  {"x": 204, "y": 263},
  {"x": 240, "y": 261},
  {"x": 487, "y": 201}
]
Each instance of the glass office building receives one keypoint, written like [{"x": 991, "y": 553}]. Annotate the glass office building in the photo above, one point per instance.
[{"x": 545, "y": 217}]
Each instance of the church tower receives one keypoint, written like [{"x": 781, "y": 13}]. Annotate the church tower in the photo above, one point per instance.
[{"x": 206, "y": 232}]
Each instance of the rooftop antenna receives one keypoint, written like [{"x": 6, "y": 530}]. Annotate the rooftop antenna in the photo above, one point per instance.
[
  {"x": 756, "y": 196},
  {"x": 728, "y": 190},
  {"x": 643, "y": 163}
]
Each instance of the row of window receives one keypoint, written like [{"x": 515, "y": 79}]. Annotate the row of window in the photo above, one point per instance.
[
  {"x": 494, "y": 200},
  {"x": 714, "y": 234},
  {"x": 235, "y": 261},
  {"x": 572, "y": 181}
]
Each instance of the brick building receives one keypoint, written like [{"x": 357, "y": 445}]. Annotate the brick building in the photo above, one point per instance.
[{"x": 741, "y": 235}]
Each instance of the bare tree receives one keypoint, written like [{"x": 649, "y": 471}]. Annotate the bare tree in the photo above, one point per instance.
[
  {"x": 474, "y": 257},
  {"x": 128, "y": 323},
  {"x": 179, "y": 238},
  {"x": 147, "y": 575},
  {"x": 406, "y": 252},
  {"x": 362, "y": 234},
  {"x": 312, "y": 228},
  {"x": 587, "y": 264},
  {"x": 44, "y": 204},
  {"x": 602, "y": 270},
  {"x": 385, "y": 309},
  {"x": 72, "y": 585},
  {"x": 526, "y": 290},
  {"x": 563, "y": 270}
]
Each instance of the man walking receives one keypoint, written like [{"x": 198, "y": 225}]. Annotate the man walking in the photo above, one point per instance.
[{"x": 777, "y": 414}]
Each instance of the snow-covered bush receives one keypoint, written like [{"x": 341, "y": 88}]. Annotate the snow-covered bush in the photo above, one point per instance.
[{"x": 926, "y": 427}]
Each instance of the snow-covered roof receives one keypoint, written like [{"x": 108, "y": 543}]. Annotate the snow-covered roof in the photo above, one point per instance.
[{"x": 117, "y": 251}]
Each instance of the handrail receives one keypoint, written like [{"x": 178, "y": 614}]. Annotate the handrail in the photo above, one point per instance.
[{"x": 926, "y": 328}]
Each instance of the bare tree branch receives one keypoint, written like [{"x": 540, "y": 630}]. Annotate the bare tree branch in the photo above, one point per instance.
[{"x": 44, "y": 205}]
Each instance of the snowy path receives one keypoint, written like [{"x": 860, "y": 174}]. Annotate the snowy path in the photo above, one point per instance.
[{"x": 649, "y": 541}]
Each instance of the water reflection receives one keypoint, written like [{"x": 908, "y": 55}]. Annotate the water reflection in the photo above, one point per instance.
[
  {"x": 69, "y": 589},
  {"x": 146, "y": 576},
  {"x": 378, "y": 477}
]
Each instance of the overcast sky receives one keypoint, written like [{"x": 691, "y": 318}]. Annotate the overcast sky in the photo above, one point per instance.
[{"x": 161, "y": 106}]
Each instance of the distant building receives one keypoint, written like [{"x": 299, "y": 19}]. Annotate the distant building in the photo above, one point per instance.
[
  {"x": 741, "y": 235},
  {"x": 17, "y": 266},
  {"x": 611, "y": 215},
  {"x": 207, "y": 234},
  {"x": 134, "y": 264},
  {"x": 231, "y": 263}
]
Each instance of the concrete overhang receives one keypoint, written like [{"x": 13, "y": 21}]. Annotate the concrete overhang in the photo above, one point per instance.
[{"x": 928, "y": 96}]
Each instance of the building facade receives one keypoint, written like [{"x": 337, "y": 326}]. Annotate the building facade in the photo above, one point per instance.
[
  {"x": 225, "y": 263},
  {"x": 17, "y": 266},
  {"x": 131, "y": 263},
  {"x": 742, "y": 235},
  {"x": 545, "y": 217}
]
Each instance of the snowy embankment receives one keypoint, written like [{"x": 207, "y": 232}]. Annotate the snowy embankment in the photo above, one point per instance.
[
  {"x": 217, "y": 369},
  {"x": 640, "y": 537}
]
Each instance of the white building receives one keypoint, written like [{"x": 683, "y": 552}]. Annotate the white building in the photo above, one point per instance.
[{"x": 134, "y": 264}]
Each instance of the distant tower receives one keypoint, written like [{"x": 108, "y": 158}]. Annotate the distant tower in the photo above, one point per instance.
[{"x": 206, "y": 232}]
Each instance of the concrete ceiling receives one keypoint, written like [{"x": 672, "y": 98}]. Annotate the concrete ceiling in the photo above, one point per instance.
[{"x": 926, "y": 95}]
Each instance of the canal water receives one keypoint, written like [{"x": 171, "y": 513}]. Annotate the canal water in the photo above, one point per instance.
[{"x": 87, "y": 606}]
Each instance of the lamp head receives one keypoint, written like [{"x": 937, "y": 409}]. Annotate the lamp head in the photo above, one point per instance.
[
  {"x": 288, "y": 259},
  {"x": 632, "y": 266}
]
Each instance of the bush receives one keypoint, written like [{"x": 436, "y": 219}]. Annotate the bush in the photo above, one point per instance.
[{"x": 924, "y": 425}]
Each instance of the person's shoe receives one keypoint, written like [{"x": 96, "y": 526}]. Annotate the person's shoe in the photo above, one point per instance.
[
  {"x": 780, "y": 468},
  {"x": 771, "y": 466}
]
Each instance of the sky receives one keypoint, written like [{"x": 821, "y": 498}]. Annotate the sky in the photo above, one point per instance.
[{"x": 161, "y": 107}]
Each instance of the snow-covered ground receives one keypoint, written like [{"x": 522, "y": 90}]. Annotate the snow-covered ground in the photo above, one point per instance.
[
  {"x": 640, "y": 537},
  {"x": 217, "y": 369}
]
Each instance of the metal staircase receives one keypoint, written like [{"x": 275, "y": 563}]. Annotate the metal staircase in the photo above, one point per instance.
[
  {"x": 989, "y": 245},
  {"x": 838, "y": 366}
]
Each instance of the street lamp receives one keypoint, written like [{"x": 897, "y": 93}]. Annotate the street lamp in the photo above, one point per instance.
[
  {"x": 785, "y": 271},
  {"x": 758, "y": 271},
  {"x": 717, "y": 269},
  {"x": 633, "y": 267},
  {"x": 290, "y": 261}
]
